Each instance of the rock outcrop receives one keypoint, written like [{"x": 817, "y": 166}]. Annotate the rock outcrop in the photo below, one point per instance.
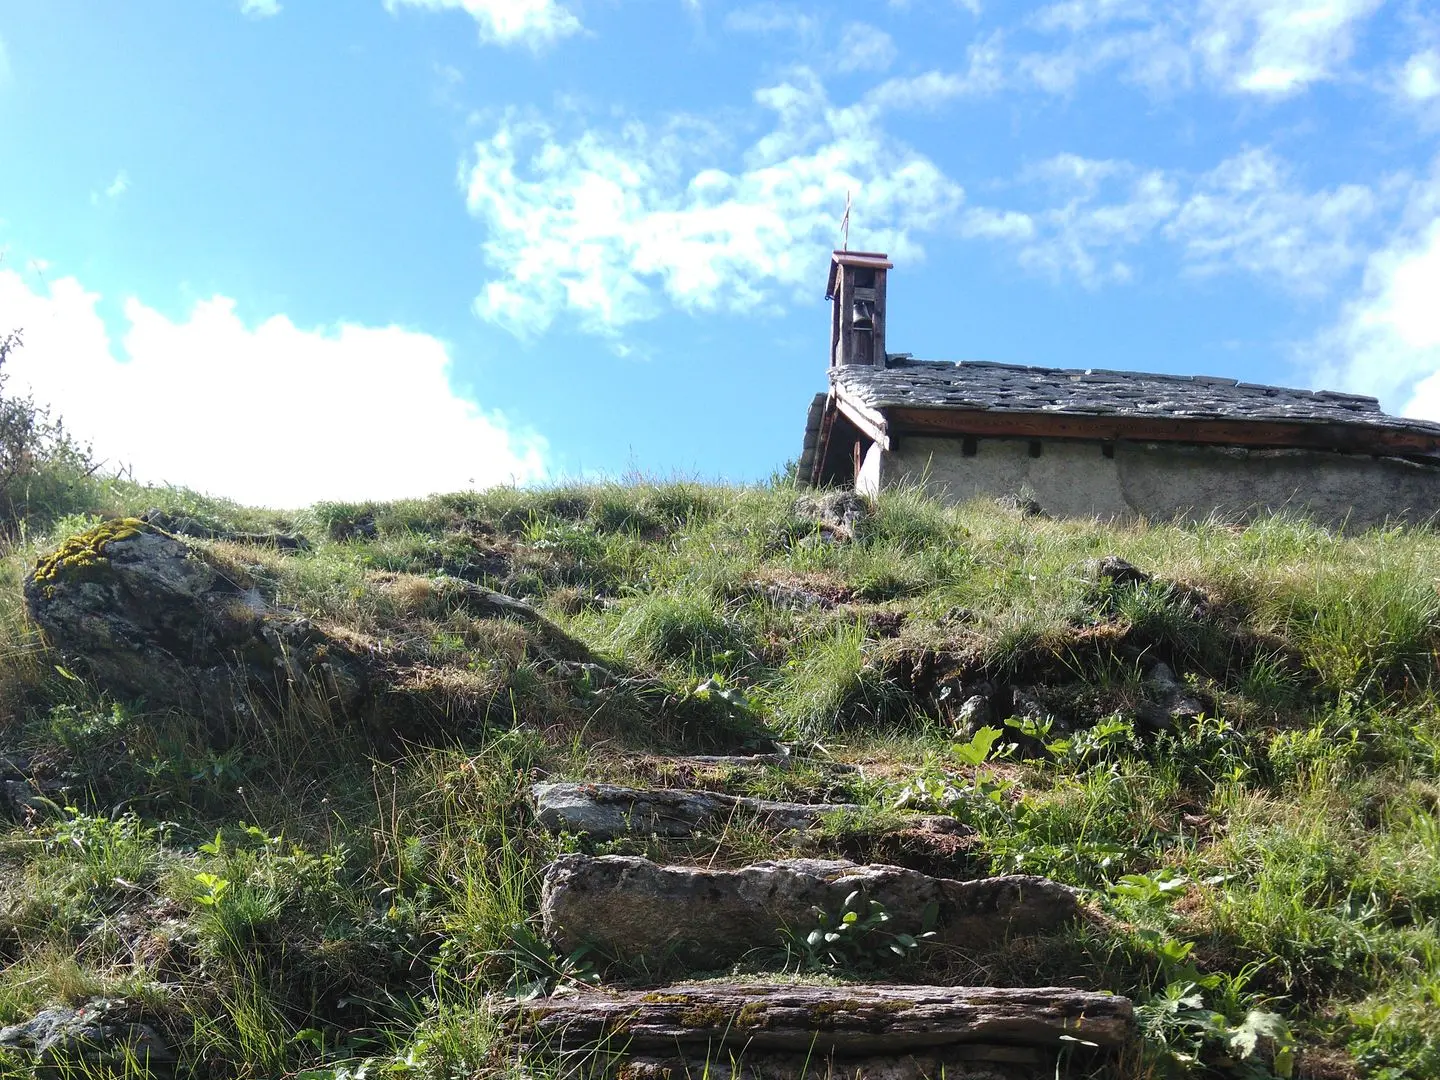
[
  {"x": 836, "y": 514},
  {"x": 150, "y": 618},
  {"x": 99, "y": 1038},
  {"x": 1172, "y": 703},
  {"x": 633, "y": 908}
]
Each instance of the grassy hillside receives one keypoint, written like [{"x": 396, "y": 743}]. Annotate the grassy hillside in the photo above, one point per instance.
[{"x": 294, "y": 895}]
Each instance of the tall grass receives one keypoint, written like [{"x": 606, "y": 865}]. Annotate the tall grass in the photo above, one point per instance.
[{"x": 375, "y": 890}]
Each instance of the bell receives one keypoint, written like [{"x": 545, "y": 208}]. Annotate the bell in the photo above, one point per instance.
[{"x": 863, "y": 315}]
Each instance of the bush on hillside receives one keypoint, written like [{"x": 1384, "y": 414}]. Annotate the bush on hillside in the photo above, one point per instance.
[{"x": 44, "y": 472}]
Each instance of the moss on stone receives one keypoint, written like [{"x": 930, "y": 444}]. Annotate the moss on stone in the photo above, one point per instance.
[
  {"x": 750, "y": 1015},
  {"x": 823, "y": 1013},
  {"x": 705, "y": 1016},
  {"x": 82, "y": 557}
]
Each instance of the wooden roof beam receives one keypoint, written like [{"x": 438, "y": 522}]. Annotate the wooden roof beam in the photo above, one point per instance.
[{"x": 1272, "y": 434}]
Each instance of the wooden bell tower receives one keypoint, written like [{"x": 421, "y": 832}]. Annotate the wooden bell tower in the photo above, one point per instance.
[{"x": 856, "y": 291}]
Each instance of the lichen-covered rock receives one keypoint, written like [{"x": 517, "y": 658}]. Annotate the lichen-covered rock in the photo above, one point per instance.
[
  {"x": 150, "y": 618},
  {"x": 837, "y": 514},
  {"x": 850, "y": 1022},
  {"x": 633, "y": 908},
  {"x": 607, "y": 811},
  {"x": 1113, "y": 570},
  {"x": 94, "y": 1038},
  {"x": 1171, "y": 703}
]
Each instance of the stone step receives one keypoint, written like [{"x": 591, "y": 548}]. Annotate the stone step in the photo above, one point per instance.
[
  {"x": 608, "y": 811},
  {"x": 635, "y": 909},
  {"x": 794, "y": 1030},
  {"x": 705, "y": 762}
]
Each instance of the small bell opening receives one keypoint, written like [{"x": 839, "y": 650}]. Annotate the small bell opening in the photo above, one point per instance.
[{"x": 863, "y": 315}]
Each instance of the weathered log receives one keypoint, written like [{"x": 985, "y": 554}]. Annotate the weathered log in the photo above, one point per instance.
[
  {"x": 633, "y": 908},
  {"x": 850, "y": 1021}
]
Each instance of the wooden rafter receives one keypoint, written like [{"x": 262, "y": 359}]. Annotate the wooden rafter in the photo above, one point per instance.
[{"x": 1353, "y": 438}]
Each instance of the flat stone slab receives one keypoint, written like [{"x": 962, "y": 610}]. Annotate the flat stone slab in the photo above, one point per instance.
[
  {"x": 745, "y": 761},
  {"x": 607, "y": 811},
  {"x": 855, "y": 1021},
  {"x": 975, "y": 1061},
  {"x": 634, "y": 909}
]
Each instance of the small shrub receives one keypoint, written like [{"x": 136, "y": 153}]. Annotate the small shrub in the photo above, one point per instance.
[{"x": 44, "y": 473}]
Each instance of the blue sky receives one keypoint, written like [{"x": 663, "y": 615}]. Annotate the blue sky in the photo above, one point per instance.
[{"x": 286, "y": 251}]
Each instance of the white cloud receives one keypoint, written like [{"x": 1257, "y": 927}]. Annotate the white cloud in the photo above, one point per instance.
[
  {"x": 1085, "y": 236},
  {"x": 267, "y": 413},
  {"x": 535, "y": 23},
  {"x": 1078, "y": 15},
  {"x": 770, "y": 18},
  {"x": 113, "y": 190},
  {"x": 985, "y": 224},
  {"x": 607, "y": 225},
  {"x": 1420, "y": 78},
  {"x": 260, "y": 9},
  {"x": 1248, "y": 215},
  {"x": 935, "y": 88},
  {"x": 1278, "y": 46},
  {"x": 1387, "y": 339},
  {"x": 1266, "y": 47},
  {"x": 864, "y": 48}
]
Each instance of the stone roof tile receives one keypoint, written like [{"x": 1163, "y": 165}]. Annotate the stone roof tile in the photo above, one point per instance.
[{"x": 984, "y": 385}]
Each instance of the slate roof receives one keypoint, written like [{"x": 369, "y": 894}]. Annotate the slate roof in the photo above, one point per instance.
[{"x": 931, "y": 384}]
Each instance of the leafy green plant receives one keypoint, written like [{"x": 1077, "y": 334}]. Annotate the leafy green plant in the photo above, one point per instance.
[
  {"x": 210, "y": 889},
  {"x": 1182, "y": 1030},
  {"x": 939, "y": 789},
  {"x": 856, "y": 936},
  {"x": 112, "y": 853},
  {"x": 978, "y": 749},
  {"x": 536, "y": 970},
  {"x": 1163, "y": 886}
]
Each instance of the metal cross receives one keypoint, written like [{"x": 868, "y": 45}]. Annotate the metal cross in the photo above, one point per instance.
[{"x": 845, "y": 225}]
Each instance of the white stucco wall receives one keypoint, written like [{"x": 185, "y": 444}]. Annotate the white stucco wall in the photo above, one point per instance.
[{"x": 1163, "y": 481}]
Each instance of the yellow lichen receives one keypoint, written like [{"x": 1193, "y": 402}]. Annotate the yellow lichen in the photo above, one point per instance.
[{"x": 83, "y": 555}]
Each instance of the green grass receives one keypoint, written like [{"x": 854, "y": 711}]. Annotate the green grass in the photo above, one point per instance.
[{"x": 299, "y": 895}]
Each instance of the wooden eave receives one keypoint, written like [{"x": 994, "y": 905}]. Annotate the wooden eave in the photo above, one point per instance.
[
  {"x": 868, "y": 420},
  {"x": 853, "y": 258},
  {"x": 851, "y": 419},
  {"x": 1269, "y": 434}
]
